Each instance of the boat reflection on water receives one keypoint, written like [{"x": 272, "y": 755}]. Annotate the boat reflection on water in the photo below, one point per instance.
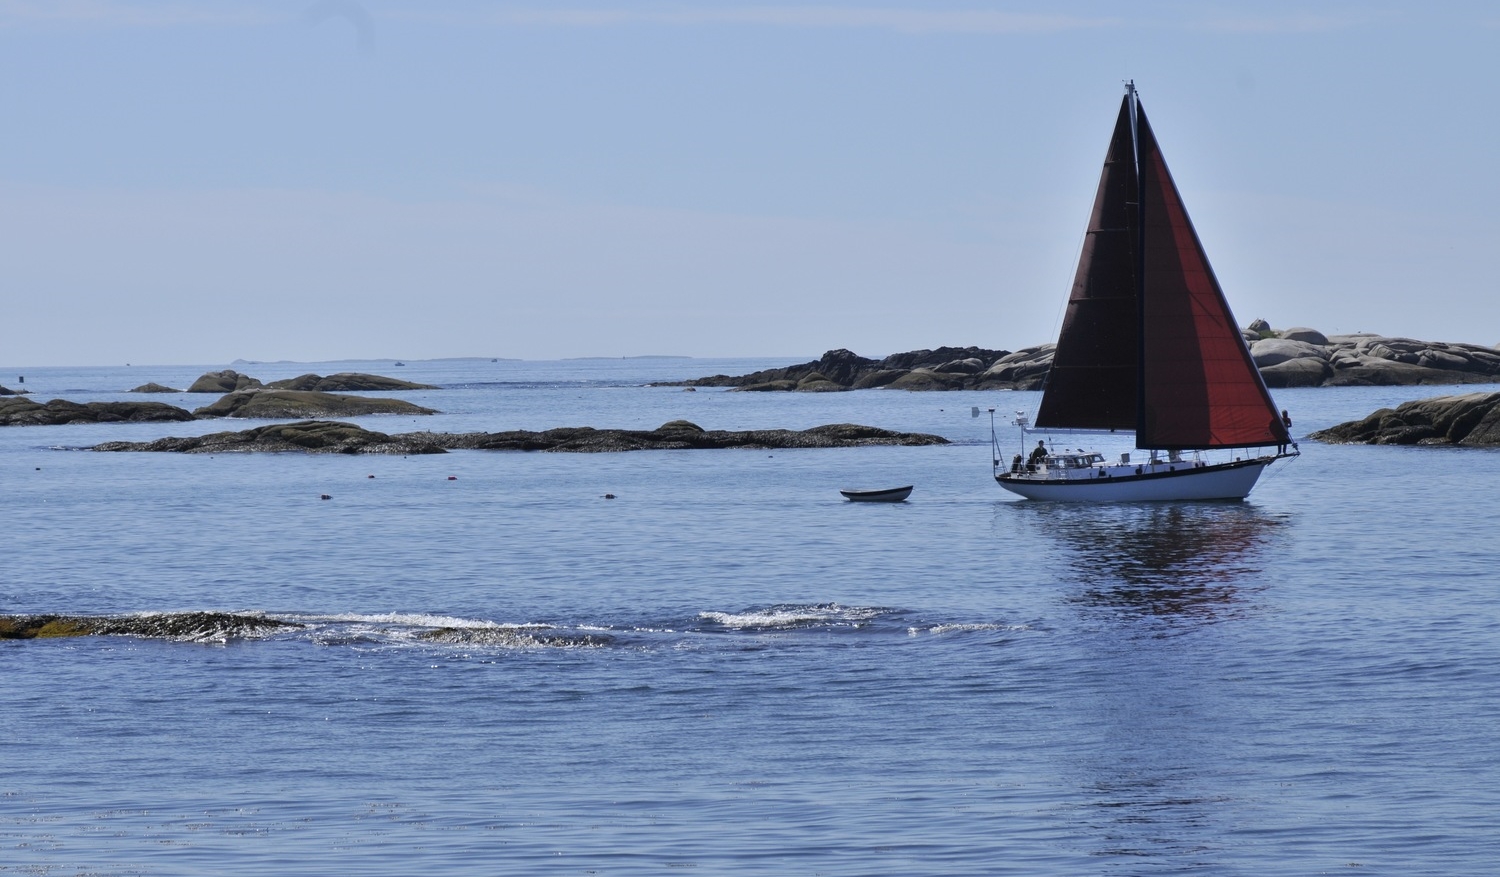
[
  {"x": 1148, "y": 657},
  {"x": 1168, "y": 559}
]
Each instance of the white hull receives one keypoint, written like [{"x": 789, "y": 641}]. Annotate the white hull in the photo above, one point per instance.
[{"x": 1184, "y": 482}]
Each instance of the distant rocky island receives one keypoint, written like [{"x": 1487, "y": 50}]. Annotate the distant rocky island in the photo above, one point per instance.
[
  {"x": 334, "y": 437},
  {"x": 229, "y": 380},
  {"x": 1296, "y": 357}
]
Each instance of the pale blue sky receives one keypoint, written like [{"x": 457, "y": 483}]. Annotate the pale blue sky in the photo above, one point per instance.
[{"x": 194, "y": 181}]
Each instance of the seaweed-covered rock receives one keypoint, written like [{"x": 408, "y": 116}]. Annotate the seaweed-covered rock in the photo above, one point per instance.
[
  {"x": 307, "y": 404},
  {"x": 20, "y": 411},
  {"x": 166, "y": 625}
]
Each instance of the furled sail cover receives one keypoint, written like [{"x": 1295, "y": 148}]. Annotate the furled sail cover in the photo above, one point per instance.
[
  {"x": 1199, "y": 386},
  {"x": 1092, "y": 383}
]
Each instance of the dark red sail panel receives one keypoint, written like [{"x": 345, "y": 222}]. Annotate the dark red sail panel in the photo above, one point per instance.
[
  {"x": 1199, "y": 386},
  {"x": 1092, "y": 382}
]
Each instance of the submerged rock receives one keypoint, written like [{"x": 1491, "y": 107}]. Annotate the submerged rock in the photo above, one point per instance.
[
  {"x": 515, "y": 637},
  {"x": 175, "y": 625},
  {"x": 269, "y": 404}
]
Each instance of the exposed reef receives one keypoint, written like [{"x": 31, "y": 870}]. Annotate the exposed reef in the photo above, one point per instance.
[
  {"x": 1296, "y": 357},
  {"x": 333, "y": 437},
  {"x": 20, "y": 411},
  {"x": 175, "y": 625},
  {"x": 308, "y": 436},
  {"x": 1470, "y": 420},
  {"x": 514, "y": 637}
]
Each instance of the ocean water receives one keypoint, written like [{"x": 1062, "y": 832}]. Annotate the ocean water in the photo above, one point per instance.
[{"x": 727, "y": 669}]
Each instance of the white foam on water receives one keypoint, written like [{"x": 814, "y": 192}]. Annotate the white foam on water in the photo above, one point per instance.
[{"x": 776, "y": 617}]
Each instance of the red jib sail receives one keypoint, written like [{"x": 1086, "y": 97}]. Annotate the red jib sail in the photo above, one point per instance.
[{"x": 1145, "y": 293}]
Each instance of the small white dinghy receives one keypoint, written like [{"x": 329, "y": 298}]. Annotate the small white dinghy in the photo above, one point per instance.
[{"x": 889, "y": 494}]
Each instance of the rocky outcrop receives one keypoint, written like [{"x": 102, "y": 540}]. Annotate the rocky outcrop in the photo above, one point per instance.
[
  {"x": 346, "y": 382},
  {"x": 1296, "y": 357},
  {"x": 1471, "y": 420},
  {"x": 6, "y": 391},
  {"x": 332, "y": 437},
  {"x": 226, "y": 381},
  {"x": 271, "y": 404},
  {"x": 173, "y": 625},
  {"x": 154, "y": 388},
  {"x": 20, "y": 411}
]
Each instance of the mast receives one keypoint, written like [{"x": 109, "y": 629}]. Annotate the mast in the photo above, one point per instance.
[{"x": 1133, "y": 100}]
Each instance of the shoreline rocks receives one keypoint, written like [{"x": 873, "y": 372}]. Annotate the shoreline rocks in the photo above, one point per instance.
[
  {"x": 1468, "y": 420},
  {"x": 333, "y": 437},
  {"x": 1295, "y": 357}
]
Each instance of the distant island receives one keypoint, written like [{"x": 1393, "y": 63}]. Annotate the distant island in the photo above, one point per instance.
[{"x": 1295, "y": 357}]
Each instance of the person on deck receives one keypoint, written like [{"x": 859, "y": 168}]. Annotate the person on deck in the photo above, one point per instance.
[{"x": 1038, "y": 454}]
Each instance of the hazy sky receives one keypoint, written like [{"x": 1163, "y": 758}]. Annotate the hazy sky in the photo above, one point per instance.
[{"x": 194, "y": 181}]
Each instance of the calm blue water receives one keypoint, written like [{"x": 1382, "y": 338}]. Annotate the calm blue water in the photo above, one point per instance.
[{"x": 1304, "y": 683}]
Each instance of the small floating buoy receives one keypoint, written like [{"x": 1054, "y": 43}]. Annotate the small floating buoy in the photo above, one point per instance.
[
  {"x": 324, "y": 496},
  {"x": 369, "y": 476},
  {"x": 452, "y": 477},
  {"x": 609, "y": 496}
]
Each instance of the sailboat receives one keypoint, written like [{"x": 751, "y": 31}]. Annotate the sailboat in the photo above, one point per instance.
[{"x": 1148, "y": 345}]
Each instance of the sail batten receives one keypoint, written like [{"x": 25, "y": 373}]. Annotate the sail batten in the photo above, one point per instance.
[{"x": 1148, "y": 342}]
